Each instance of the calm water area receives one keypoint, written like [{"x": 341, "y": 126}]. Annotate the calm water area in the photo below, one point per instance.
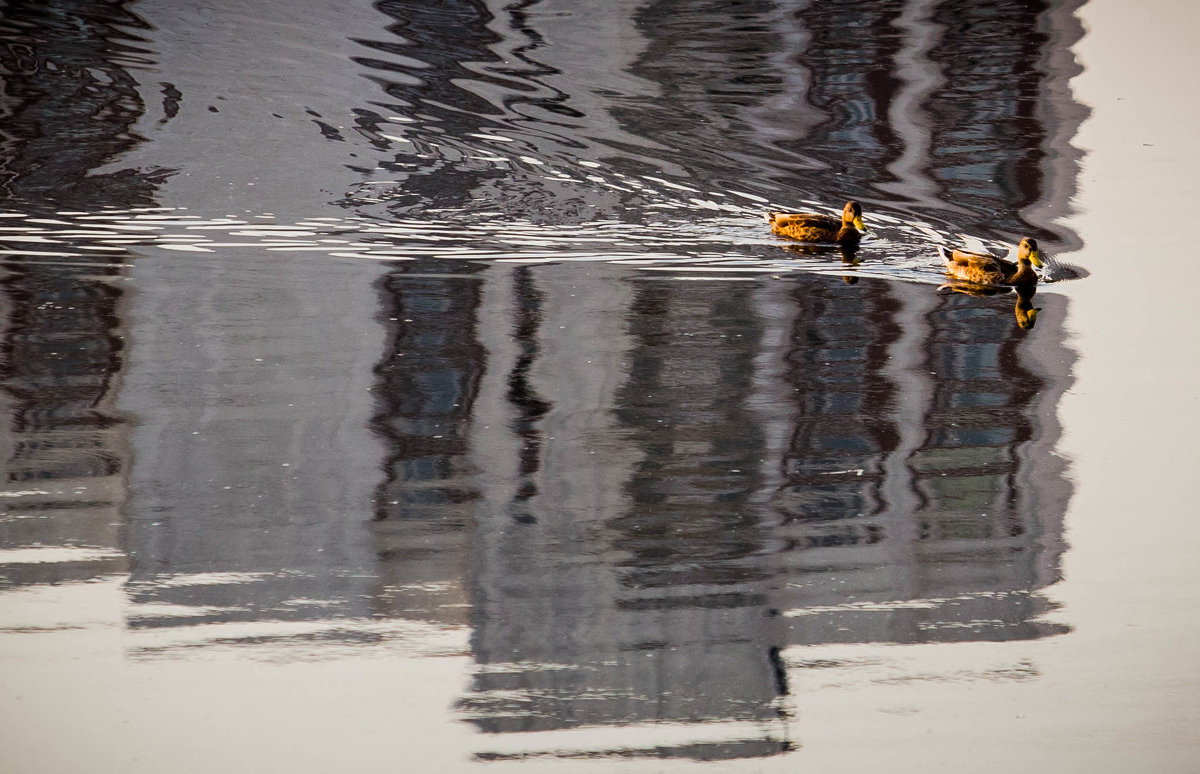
[{"x": 415, "y": 385}]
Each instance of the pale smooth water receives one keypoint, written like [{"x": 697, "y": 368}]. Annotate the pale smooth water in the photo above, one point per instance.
[{"x": 417, "y": 386}]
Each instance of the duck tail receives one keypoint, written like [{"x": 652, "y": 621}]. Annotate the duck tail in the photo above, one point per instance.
[
  {"x": 770, "y": 217},
  {"x": 945, "y": 253}
]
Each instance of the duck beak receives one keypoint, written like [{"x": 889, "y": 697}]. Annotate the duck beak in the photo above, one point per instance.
[
  {"x": 858, "y": 224},
  {"x": 1036, "y": 258}
]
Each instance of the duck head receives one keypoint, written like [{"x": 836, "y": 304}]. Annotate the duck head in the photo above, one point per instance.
[
  {"x": 1028, "y": 251},
  {"x": 852, "y": 214}
]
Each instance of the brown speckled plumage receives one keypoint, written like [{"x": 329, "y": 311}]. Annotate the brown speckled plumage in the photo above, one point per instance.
[
  {"x": 984, "y": 269},
  {"x": 811, "y": 227}
]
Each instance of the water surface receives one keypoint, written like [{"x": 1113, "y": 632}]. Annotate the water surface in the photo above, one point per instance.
[{"x": 437, "y": 354}]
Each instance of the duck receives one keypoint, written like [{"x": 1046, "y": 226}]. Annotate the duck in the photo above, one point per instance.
[
  {"x": 985, "y": 269},
  {"x": 811, "y": 227}
]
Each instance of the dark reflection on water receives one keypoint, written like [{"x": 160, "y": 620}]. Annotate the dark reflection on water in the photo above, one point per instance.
[
  {"x": 642, "y": 490},
  {"x": 65, "y": 451},
  {"x": 428, "y": 380},
  {"x": 798, "y": 464},
  {"x": 919, "y": 483},
  {"x": 950, "y": 112},
  {"x": 68, "y": 103}
]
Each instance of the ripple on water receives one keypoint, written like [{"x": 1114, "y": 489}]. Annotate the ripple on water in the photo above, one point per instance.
[{"x": 707, "y": 240}]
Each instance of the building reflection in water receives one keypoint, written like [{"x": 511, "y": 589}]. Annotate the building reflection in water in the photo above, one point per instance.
[
  {"x": 778, "y": 464},
  {"x": 910, "y": 473},
  {"x": 638, "y": 492},
  {"x": 64, "y": 448},
  {"x": 785, "y": 464},
  {"x": 428, "y": 383}
]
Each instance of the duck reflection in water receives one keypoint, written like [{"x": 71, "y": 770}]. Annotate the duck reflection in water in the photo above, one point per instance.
[
  {"x": 851, "y": 260},
  {"x": 1025, "y": 312},
  {"x": 849, "y": 253}
]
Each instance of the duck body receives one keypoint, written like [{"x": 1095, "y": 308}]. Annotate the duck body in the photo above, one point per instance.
[
  {"x": 812, "y": 227},
  {"x": 985, "y": 269}
]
